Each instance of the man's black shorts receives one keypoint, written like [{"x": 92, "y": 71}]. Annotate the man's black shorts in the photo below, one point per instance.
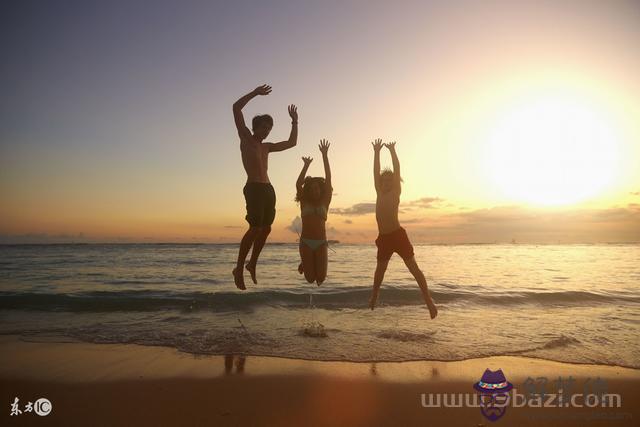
[{"x": 261, "y": 203}]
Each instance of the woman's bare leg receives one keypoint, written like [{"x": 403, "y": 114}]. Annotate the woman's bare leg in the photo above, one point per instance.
[
  {"x": 322, "y": 263},
  {"x": 308, "y": 263}
]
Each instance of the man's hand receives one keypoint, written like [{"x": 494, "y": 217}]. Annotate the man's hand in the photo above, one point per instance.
[
  {"x": 324, "y": 146},
  {"x": 390, "y": 145},
  {"x": 293, "y": 112},
  {"x": 262, "y": 90},
  {"x": 377, "y": 145},
  {"x": 307, "y": 160}
]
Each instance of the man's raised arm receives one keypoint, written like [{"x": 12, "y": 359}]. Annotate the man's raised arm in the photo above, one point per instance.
[
  {"x": 243, "y": 131},
  {"x": 396, "y": 163},
  {"x": 377, "y": 146},
  {"x": 293, "y": 136}
]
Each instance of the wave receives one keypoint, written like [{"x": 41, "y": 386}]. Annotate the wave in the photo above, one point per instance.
[{"x": 350, "y": 297}]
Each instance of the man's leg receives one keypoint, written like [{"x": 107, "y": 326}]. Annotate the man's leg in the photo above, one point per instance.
[
  {"x": 381, "y": 268},
  {"x": 412, "y": 265},
  {"x": 258, "y": 244},
  {"x": 267, "y": 214},
  {"x": 245, "y": 244}
]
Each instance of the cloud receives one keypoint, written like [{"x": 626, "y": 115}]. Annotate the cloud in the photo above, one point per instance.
[
  {"x": 502, "y": 223},
  {"x": 357, "y": 209},
  {"x": 295, "y": 226},
  {"x": 422, "y": 203},
  {"x": 365, "y": 208}
]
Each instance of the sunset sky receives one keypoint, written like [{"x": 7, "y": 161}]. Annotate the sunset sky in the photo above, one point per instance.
[{"x": 514, "y": 120}]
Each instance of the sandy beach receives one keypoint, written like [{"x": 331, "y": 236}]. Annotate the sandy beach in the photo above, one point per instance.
[{"x": 119, "y": 384}]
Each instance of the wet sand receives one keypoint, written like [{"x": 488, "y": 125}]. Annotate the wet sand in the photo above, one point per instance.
[{"x": 119, "y": 384}]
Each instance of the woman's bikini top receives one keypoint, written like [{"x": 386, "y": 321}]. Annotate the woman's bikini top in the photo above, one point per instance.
[{"x": 314, "y": 210}]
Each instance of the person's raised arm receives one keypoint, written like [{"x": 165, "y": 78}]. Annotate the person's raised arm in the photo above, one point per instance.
[
  {"x": 243, "y": 131},
  {"x": 396, "y": 164},
  {"x": 377, "y": 146},
  {"x": 303, "y": 173},
  {"x": 293, "y": 136},
  {"x": 324, "y": 149}
]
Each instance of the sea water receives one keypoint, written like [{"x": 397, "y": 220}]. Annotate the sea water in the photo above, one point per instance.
[{"x": 573, "y": 303}]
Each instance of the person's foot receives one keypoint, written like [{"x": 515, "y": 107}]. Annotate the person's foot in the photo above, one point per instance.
[
  {"x": 372, "y": 302},
  {"x": 433, "y": 310},
  {"x": 300, "y": 268},
  {"x": 251, "y": 268},
  {"x": 238, "y": 278}
]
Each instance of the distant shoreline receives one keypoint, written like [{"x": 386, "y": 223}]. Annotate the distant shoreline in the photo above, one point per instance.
[{"x": 332, "y": 242}]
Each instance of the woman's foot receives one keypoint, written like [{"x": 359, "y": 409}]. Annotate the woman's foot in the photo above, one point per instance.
[
  {"x": 251, "y": 268},
  {"x": 238, "y": 278}
]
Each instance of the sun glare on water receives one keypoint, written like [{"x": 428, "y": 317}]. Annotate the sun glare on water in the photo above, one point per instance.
[{"x": 552, "y": 151}]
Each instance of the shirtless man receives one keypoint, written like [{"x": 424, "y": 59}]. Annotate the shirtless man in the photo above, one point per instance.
[
  {"x": 392, "y": 237},
  {"x": 258, "y": 191}
]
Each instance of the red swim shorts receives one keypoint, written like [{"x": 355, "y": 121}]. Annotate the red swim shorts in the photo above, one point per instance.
[{"x": 397, "y": 241}]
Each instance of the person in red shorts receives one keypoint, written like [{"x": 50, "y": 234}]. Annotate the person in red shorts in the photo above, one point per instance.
[{"x": 392, "y": 237}]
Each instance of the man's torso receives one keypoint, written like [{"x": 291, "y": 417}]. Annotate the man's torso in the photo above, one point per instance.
[
  {"x": 387, "y": 211},
  {"x": 255, "y": 159}
]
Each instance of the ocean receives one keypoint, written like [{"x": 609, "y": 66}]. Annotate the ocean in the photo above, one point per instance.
[{"x": 571, "y": 303}]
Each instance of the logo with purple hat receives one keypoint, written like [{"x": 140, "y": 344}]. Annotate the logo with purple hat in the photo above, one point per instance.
[{"x": 494, "y": 394}]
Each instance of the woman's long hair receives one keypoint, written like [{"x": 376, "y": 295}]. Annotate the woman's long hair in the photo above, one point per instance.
[{"x": 304, "y": 196}]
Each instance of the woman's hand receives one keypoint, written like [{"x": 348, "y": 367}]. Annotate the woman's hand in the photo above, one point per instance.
[
  {"x": 377, "y": 145},
  {"x": 324, "y": 146},
  {"x": 307, "y": 160}
]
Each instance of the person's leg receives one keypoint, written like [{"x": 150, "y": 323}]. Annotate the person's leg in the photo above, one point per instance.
[
  {"x": 381, "y": 268},
  {"x": 412, "y": 265},
  {"x": 321, "y": 257},
  {"x": 268, "y": 214},
  {"x": 308, "y": 262},
  {"x": 258, "y": 244},
  {"x": 245, "y": 244}
]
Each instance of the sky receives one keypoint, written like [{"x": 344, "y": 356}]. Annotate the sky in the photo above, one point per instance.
[{"x": 513, "y": 120}]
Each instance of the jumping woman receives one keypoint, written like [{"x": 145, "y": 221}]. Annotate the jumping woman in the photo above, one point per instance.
[{"x": 314, "y": 196}]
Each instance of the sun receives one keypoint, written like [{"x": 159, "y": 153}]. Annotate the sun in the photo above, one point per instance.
[{"x": 552, "y": 151}]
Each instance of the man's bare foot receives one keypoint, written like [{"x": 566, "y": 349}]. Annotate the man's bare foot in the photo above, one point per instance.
[
  {"x": 300, "y": 268},
  {"x": 433, "y": 310},
  {"x": 251, "y": 268},
  {"x": 372, "y": 303},
  {"x": 238, "y": 278}
]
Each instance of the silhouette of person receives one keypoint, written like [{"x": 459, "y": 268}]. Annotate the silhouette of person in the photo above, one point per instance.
[
  {"x": 392, "y": 237},
  {"x": 259, "y": 194},
  {"x": 314, "y": 195}
]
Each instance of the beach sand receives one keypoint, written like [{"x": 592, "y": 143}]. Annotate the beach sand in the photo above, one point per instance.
[{"x": 121, "y": 384}]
